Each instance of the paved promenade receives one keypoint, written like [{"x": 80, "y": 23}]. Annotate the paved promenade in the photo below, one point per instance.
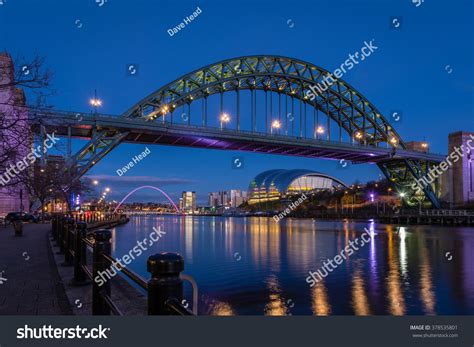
[{"x": 32, "y": 285}]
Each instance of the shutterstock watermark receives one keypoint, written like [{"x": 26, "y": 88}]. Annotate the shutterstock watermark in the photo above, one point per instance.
[
  {"x": 349, "y": 63},
  {"x": 437, "y": 170},
  {"x": 29, "y": 159},
  {"x": 48, "y": 332},
  {"x": 135, "y": 252},
  {"x": 329, "y": 265},
  {"x": 291, "y": 207}
]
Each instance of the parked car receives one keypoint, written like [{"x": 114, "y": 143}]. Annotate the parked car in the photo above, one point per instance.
[{"x": 24, "y": 217}]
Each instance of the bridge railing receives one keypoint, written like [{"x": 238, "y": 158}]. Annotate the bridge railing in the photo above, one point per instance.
[
  {"x": 164, "y": 288},
  {"x": 447, "y": 213}
]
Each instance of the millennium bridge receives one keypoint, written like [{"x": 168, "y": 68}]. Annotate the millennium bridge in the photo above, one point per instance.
[{"x": 255, "y": 104}]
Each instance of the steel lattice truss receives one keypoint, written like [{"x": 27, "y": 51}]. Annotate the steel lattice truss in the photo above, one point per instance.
[{"x": 348, "y": 108}]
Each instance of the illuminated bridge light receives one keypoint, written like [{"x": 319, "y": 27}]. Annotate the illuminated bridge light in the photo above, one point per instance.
[
  {"x": 225, "y": 118},
  {"x": 95, "y": 102},
  {"x": 164, "y": 109},
  {"x": 320, "y": 130}
]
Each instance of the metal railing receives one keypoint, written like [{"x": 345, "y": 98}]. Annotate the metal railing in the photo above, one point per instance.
[
  {"x": 165, "y": 290},
  {"x": 447, "y": 213}
]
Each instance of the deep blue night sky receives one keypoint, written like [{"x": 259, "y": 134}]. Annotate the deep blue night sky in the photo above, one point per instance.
[{"x": 408, "y": 72}]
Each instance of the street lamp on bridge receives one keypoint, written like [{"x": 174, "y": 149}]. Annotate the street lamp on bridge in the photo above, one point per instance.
[
  {"x": 276, "y": 124},
  {"x": 225, "y": 118},
  {"x": 95, "y": 101},
  {"x": 319, "y": 131}
]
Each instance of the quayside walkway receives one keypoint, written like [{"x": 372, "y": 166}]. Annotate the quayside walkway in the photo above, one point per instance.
[{"x": 29, "y": 280}]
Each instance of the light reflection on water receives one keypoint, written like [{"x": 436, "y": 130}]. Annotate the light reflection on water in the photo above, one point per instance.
[{"x": 256, "y": 266}]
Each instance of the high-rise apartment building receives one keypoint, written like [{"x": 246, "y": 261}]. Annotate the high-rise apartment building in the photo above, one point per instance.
[{"x": 188, "y": 202}]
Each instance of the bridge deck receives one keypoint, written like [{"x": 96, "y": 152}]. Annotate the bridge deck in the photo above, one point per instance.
[{"x": 141, "y": 131}]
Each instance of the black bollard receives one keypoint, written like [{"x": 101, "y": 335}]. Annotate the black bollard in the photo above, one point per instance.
[
  {"x": 18, "y": 227},
  {"x": 99, "y": 266},
  {"x": 165, "y": 284}
]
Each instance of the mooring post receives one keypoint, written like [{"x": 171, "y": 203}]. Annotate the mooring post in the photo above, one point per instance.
[{"x": 165, "y": 283}]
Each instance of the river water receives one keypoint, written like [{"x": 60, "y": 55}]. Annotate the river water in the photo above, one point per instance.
[{"x": 256, "y": 266}]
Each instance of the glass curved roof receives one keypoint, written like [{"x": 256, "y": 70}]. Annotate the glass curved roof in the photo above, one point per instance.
[{"x": 281, "y": 179}]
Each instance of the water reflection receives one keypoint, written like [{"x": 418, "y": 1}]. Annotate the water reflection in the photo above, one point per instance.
[
  {"x": 320, "y": 301},
  {"x": 256, "y": 265},
  {"x": 395, "y": 293},
  {"x": 275, "y": 306},
  {"x": 360, "y": 301},
  {"x": 426, "y": 280},
  {"x": 220, "y": 308}
]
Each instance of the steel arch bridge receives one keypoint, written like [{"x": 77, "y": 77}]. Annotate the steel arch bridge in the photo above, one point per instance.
[{"x": 278, "y": 118}]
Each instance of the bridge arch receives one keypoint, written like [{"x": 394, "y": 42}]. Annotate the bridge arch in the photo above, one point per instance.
[
  {"x": 286, "y": 76},
  {"x": 150, "y": 187}
]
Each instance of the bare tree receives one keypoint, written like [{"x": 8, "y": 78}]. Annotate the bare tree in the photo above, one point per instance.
[{"x": 15, "y": 134}]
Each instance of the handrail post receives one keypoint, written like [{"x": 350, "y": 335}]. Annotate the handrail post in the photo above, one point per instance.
[
  {"x": 165, "y": 282},
  {"x": 79, "y": 254},
  {"x": 70, "y": 224},
  {"x": 54, "y": 229},
  {"x": 61, "y": 227},
  {"x": 99, "y": 266}
]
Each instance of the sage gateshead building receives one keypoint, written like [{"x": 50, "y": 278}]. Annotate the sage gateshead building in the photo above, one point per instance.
[{"x": 279, "y": 184}]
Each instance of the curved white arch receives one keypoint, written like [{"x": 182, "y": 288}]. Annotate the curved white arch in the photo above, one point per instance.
[{"x": 151, "y": 187}]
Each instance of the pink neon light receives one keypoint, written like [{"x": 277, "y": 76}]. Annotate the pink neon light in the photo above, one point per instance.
[{"x": 152, "y": 187}]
